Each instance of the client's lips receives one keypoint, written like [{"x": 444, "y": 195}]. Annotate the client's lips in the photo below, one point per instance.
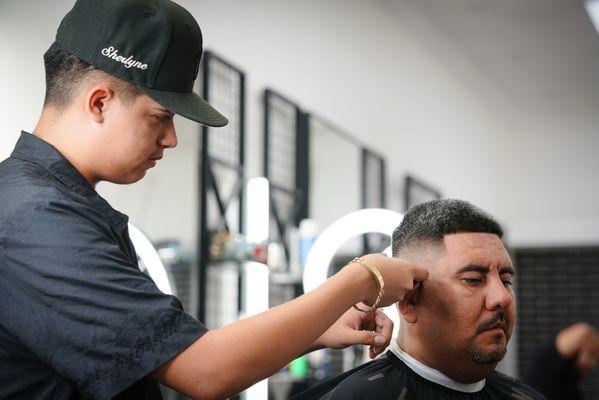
[
  {"x": 497, "y": 321},
  {"x": 497, "y": 325}
]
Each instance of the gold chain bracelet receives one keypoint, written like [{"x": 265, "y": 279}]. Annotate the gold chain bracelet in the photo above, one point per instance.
[{"x": 379, "y": 281}]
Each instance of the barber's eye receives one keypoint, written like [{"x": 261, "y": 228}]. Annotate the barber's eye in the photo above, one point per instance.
[
  {"x": 507, "y": 283},
  {"x": 163, "y": 119}
]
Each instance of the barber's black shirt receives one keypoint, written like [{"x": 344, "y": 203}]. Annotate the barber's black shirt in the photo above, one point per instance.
[
  {"x": 77, "y": 317},
  {"x": 389, "y": 378}
]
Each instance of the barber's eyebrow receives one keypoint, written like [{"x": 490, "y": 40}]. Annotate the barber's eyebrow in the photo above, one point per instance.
[
  {"x": 484, "y": 270},
  {"x": 164, "y": 110}
]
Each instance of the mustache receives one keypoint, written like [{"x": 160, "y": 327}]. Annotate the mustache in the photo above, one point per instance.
[{"x": 492, "y": 320}]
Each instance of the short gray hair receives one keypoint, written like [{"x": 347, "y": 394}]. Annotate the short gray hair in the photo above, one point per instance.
[{"x": 432, "y": 220}]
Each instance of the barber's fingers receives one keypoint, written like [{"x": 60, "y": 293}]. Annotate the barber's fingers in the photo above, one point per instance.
[
  {"x": 376, "y": 333},
  {"x": 420, "y": 273},
  {"x": 400, "y": 277},
  {"x": 384, "y": 326},
  {"x": 366, "y": 337},
  {"x": 375, "y": 351},
  {"x": 391, "y": 266}
]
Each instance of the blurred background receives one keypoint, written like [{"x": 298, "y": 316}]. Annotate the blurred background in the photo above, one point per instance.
[{"x": 344, "y": 105}]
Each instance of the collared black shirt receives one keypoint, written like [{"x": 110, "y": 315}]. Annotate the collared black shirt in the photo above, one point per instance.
[{"x": 78, "y": 319}]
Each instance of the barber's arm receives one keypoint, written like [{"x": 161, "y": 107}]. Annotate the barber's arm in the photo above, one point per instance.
[{"x": 227, "y": 360}]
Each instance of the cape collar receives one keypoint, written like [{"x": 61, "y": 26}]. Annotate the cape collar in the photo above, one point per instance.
[{"x": 432, "y": 374}]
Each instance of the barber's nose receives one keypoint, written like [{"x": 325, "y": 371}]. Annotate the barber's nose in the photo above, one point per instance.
[
  {"x": 498, "y": 296},
  {"x": 169, "y": 139}
]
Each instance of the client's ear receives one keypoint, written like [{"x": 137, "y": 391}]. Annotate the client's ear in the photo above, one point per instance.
[{"x": 407, "y": 306}]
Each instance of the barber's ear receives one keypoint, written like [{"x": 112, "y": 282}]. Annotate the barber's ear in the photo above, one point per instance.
[
  {"x": 407, "y": 306},
  {"x": 97, "y": 100}
]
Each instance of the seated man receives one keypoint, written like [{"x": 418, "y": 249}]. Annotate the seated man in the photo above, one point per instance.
[{"x": 454, "y": 327}]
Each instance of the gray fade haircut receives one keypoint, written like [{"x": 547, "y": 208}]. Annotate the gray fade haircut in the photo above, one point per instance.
[{"x": 429, "y": 222}]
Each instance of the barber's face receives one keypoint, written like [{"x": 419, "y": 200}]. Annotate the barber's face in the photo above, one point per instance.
[
  {"x": 136, "y": 136},
  {"x": 467, "y": 305}
]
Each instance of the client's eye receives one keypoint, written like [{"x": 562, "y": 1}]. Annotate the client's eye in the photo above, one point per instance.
[
  {"x": 507, "y": 283},
  {"x": 473, "y": 281}
]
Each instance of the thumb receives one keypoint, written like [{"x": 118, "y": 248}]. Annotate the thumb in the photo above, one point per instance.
[{"x": 368, "y": 338}]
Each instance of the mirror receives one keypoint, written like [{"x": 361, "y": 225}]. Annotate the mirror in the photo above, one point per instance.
[{"x": 335, "y": 178}]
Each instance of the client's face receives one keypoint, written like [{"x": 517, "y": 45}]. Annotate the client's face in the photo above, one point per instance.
[{"x": 467, "y": 307}]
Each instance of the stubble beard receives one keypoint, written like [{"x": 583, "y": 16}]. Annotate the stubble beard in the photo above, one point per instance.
[
  {"x": 480, "y": 356},
  {"x": 486, "y": 357}
]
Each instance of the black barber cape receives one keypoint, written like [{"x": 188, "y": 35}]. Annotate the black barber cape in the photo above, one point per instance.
[
  {"x": 78, "y": 319},
  {"x": 553, "y": 375},
  {"x": 389, "y": 378}
]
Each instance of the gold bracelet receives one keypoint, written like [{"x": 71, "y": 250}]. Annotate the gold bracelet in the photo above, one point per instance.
[{"x": 379, "y": 281}]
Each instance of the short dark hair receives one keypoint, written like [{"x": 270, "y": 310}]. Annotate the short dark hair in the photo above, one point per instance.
[
  {"x": 66, "y": 72},
  {"x": 432, "y": 220}
]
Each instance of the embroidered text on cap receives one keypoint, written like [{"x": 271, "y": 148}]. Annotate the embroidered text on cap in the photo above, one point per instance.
[{"x": 129, "y": 62}]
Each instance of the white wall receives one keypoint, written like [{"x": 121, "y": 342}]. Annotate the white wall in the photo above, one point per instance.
[{"x": 382, "y": 72}]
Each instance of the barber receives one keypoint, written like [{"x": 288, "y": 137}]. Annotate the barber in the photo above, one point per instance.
[{"x": 77, "y": 317}]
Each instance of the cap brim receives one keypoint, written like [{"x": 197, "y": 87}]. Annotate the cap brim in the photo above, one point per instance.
[{"x": 188, "y": 105}]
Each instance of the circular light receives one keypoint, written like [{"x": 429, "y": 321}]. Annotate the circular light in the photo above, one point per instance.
[
  {"x": 150, "y": 258},
  {"x": 370, "y": 220}
]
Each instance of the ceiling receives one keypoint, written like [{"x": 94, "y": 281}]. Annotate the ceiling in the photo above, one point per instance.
[{"x": 542, "y": 54}]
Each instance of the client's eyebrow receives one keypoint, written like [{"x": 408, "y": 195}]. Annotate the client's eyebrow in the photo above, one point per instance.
[{"x": 484, "y": 270}]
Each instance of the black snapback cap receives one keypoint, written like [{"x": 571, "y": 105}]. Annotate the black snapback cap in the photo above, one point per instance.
[{"x": 154, "y": 44}]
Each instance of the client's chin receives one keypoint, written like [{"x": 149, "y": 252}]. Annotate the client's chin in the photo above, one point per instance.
[{"x": 491, "y": 355}]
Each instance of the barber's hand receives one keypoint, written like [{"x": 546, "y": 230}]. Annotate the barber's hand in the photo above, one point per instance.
[
  {"x": 400, "y": 277},
  {"x": 355, "y": 327}
]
